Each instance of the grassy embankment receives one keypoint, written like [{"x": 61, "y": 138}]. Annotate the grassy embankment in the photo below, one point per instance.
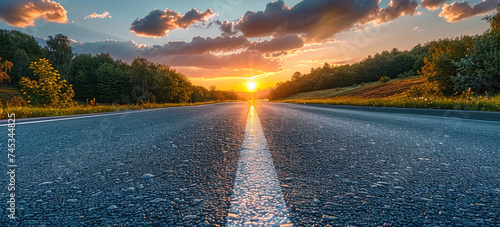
[
  {"x": 7, "y": 93},
  {"x": 393, "y": 94},
  {"x": 25, "y": 112}
]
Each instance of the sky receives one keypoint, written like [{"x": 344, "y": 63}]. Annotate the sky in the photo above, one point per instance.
[{"x": 228, "y": 43}]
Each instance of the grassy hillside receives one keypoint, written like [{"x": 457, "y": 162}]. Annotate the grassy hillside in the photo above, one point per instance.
[
  {"x": 393, "y": 94},
  {"x": 393, "y": 88}
]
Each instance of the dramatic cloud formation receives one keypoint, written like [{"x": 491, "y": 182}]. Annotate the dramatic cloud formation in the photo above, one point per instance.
[
  {"x": 396, "y": 8},
  {"x": 246, "y": 59},
  {"x": 317, "y": 19},
  {"x": 278, "y": 44},
  {"x": 95, "y": 15},
  {"x": 457, "y": 11},
  {"x": 158, "y": 23},
  {"x": 432, "y": 4},
  {"x": 198, "y": 45},
  {"x": 200, "y": 52},
  {"x": 22, "y": 13}
]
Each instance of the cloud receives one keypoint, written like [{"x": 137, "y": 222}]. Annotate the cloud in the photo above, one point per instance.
[
  {"x": 283, "y": 43},
  {"x": 22, "y": 13},
  {"x": 396, "y": 9},
  {"x": 95, "y": 15},
  {"x": 245, "y": 59},
  {"x": 226, "y": 27},
  {"x": 316, "y": 19},
  {"x": 432, "y": 4},
  {"x": 121, "y": 50},
  {"x": 197, "y": 53},
  {"x": 457, "y": 11},
  {"x": 158, "y": 23},
  {"x": 198, "y": 45}
]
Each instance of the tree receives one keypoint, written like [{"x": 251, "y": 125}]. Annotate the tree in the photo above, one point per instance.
[
  {"x": 439, "y": 66},
  {"x": 21, "y": 65},
  {"x": 84, "y": 76},
  {"x": 4, "y": 68},
  {"x": 181, "y": 87},
  {"x": 480, "y": 70},
  {"x": 59, "y": 52},
  {"x": 142, "y": 75},
  {"x": 12, "y": 40},
  {"x": 199, "y": 94},
  {"x": 494, "y": 20},
  {"x": 113, "y": 84},
  {"x": 47, "y": 88}
]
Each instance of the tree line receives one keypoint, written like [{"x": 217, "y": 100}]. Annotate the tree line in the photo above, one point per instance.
[
  {"x": 450, "y": 66},
  {"x": 100, "y": 78}
]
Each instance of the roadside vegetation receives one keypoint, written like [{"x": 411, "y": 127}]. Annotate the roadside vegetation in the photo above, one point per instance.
[
  {"x": 34, "y": 111},
  {"x": 457, "y": 73},
  {"x": 395, "y": 94},
  {"x": 38, "y": 81}
]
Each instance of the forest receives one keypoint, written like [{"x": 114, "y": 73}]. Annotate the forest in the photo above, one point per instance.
[
  {"x": 53, "y": 76},
  {"x": 469, "y": 64}
]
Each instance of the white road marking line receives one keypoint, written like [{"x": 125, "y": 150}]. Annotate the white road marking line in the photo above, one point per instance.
[
  {"x": 74, "y": 118},
  {"x": 63, "y": 118},
  {"x": 257, "y": 198}
]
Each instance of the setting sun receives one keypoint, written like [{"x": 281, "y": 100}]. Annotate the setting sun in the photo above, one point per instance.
[{"x": 251, "y": 86}]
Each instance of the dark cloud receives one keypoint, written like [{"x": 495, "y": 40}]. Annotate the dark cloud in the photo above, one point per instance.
[
  {"x": 317, "y": 19},
  {"x": 396, "y": 9},
  {"x": 22, "y": 13},
  {"x": 432, "y": 4},
  {"x": 226, "y": 27},
  {"x": 457, "y": 11},
  {"x": 246, "y": 59},
  {"x": 283, "y": 43},
  {"x": 196, "y": 53},
  {"x": 198, "y": 45},
  {"x": 158, "y": 23},
  {"x": 120, "y": 50}
]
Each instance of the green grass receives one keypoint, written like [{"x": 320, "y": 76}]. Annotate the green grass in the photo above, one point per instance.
[
  {"x": 470, "y": 103},
  {"x": 333, "y": 92},
  {"x": 393, "y": 94},
  {"x": 25, "y": 112},
  {"x": 327, "y": 93}
]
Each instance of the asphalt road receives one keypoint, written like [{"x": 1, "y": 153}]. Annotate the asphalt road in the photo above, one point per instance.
[{"x": 179, "y": 167}]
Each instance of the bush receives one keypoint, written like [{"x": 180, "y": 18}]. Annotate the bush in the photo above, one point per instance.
[
  {"x": 384, "y": 79},
  {"x": 480, "y": 70},
  {"x": 16, "y": 102},
  {"x": 426, "y": 89},
  {"x": 406, "y": 74},
  {"x": 48, "y": 89}
]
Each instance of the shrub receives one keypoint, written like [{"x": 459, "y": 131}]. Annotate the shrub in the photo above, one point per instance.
[
  {"x": 406, "y": 74},
  {"x": 48, "y": 89},
  {"x": 384, "y": 79},
  {"x": 17, "y": 102},
  {"x": 480, "y": 70}
]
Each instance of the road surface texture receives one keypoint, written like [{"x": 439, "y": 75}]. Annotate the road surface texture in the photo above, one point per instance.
[{"x": 234, "y": 164}]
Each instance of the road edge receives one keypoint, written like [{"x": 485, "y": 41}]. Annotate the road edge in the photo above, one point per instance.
[
  {"x": 461, "y": 114},
  {"x": 3, "y": 121}
]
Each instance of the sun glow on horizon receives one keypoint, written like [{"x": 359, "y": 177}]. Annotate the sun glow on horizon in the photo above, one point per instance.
[{"x": 251, "y": 86}]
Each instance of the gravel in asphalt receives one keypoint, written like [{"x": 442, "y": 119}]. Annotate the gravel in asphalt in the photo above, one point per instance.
[{"x": 177, "y": 167}]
